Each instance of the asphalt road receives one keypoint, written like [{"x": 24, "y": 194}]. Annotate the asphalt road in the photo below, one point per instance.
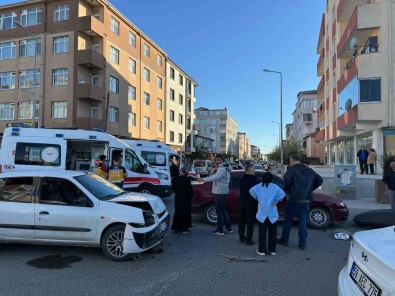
[{"x": 190, "y": 264}]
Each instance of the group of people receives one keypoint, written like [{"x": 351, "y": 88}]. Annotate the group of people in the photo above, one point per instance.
[
  {"x": 367, "y": 160},
  {"x": 115, "y": 173},
  {"x": 258, "y": 201}
]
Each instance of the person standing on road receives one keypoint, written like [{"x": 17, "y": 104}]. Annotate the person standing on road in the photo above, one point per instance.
[
  {"x": 371, "y": 161},
  {"x": 117, "y": 172},
  {"x": 299, "y": 183},
  {"x": 268, "y": 195},
  {"x": 101, "y": 166},
  {"x": 389, "y": 180},
  {"x": 362, "y": 158},
  {"x": 220, "y": 189},
  {"x": 183, "y": 194},
  {"x": 247, "y": 206}
]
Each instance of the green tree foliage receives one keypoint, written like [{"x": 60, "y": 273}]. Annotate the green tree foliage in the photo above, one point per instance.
[{"x": 291, "y": 147}]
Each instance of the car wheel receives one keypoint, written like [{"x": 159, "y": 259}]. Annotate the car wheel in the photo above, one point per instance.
[
  {"x": 210, "y": 215},
  {"x": 318, "y": 218},
  {"x": 146, "y": 189},
  {"x": 112, "y": 243}
]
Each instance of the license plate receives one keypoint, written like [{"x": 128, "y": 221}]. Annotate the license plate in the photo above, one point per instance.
[{"x": 364, "y": 283}]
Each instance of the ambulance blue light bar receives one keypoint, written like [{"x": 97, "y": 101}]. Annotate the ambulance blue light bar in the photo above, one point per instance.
[
  {"x": 59, "y": 135},
  {"x": 92, "y": 137}
]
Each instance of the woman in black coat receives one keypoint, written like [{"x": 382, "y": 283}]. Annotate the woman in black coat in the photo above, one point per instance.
[{"x": 183, "y": 198}]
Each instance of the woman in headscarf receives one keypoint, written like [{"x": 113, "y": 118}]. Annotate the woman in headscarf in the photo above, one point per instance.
[{"x": 183, "y": 191}]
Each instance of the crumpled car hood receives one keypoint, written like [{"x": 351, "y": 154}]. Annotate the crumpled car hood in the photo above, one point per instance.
[{"x": 133, "y": 197}]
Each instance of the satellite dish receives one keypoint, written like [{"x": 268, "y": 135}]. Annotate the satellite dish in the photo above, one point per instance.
[
  {"x": 354, "y": 43},
  {"x": 348, "y": 104},
  {"x": 314, "y": 110}
]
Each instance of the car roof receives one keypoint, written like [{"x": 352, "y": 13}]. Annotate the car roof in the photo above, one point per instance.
[{"x": 59, "y": 173}]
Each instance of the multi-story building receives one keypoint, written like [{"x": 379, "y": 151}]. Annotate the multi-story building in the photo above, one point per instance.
[
  {"x": 255, "y": 152},
  {"x": 243, "y": 146},
  {"x": 218, "y": 125},
  {"x": 356, "y": 64},
  {"x": 190, "y": 115},
  {"x": 289, "y": 133},
  {"x": 95, "y": 69}
]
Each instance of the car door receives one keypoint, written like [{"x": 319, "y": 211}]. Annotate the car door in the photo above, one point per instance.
[
  {"x": 17, "y": 208},
  {"x": 64, "y": 212},
  {"x": 233, "y": 199}
]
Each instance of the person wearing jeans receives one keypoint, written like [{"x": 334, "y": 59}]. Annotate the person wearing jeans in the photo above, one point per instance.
[
  {"x": 300, "y": 210},
  {"x": 220, "y": 190}
]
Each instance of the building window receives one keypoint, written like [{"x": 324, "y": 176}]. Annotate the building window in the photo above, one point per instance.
[
  {"x": 334, "y": 80},
  {"x": 171, "y": 73},
  {"x": 181, "y": 80},
  {"x": 26, "y": 78},
  {"x": 7, "y": 80},
  {"x": 131, "y": 92},
  {"x": 114, "y": 55},
  {"x": 146, "y": 122},
  {"x": 159, "y": 60},
  {"x": 146, "y": 50},
  {"x": 146, "y": 74},
  {"x": 159, "y": 82},
  {"x": 188, "y": 122},
  {"x": 180, "y": 118},
  {"x": 370, "y": 90},
  {"x": 114, "y": 114},
  {"x": 132, "y": 119},
  {"x": 95, "y": 78},
  {"x": 61, "y": 44},
  {"x": 307, "y": 117},
  {"x": 60, "y": 76},
  {"x": 146, "y": 99},
  {"x": 181, "y": 99},
  {"x": 96, "y": 47},
  {"x": 189, "y": 87},
  {"x": 31, "y": 17},
  {"x": 59, "y": 109},
  {"x": 7, "y": 111},
  {"x": 114, "y": 85},
  {"x": 132, "y": 66},
  {"x": 159, "y": 104},
  {"x": 171, "y": 115},
  {"x": 26, "y": 110},
  {"x": 94, "y": 112},
  {"x": 7, "y": 21},
  {"x": 371, "y": 45},
  {"x": 114, "y": 26},
  {"x": 7, "y": 50},
  {"x": 189, "y": 108},
  {"x": 159, "y": 126},
  {"x": 171, "y": 136},
  {"x": 172, "y": 94},
  {"x": 180, "y": 138},
  {"x": 28, "y": 48},
  {"x": 132, "y": 39},
  {"x": 61, "y": 13}
]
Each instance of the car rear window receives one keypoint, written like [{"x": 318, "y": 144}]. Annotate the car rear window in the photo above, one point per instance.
[
  {"x": 200, "y": 163},
  {"x": 37, "y": 154},
  {"x": 16, "y": 189}
]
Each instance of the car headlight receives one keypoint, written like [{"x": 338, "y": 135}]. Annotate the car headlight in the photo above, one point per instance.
[
  {"x": 343, "y": 204},
  {"x": 163, "y": 176}
]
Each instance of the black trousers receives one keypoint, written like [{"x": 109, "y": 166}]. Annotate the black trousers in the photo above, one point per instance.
[
  {"x": 247, "y": 213},
  {"x": 363, "y": 165},
  {"x": 371, "y": 168},
  {"x": 267, "y": 242}
]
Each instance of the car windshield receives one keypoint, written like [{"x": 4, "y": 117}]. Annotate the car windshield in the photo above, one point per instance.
[
  {"x": 99, "y": 187},
  {"x": 258, "y": 167},
  {"x": 199, "y": 163}
]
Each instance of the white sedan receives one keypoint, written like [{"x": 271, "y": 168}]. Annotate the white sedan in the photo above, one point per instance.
[
  {"x": 370, "y": 269},
  {"x": 76, "y": 208}
]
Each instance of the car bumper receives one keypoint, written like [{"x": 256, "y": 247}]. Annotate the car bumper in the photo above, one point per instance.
[
  {"x": 342, "y": 287},
  {"x": 163, "y": 190},
  {"x": 340, "y": 215}
]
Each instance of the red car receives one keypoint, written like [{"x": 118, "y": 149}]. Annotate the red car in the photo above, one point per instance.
[{"x": 324, "y": 209}]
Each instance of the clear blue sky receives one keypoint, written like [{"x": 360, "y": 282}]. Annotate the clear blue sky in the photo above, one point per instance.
[{"x": 225, "y": 44}]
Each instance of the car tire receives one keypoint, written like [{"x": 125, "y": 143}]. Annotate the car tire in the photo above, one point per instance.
[
  {"x": 111, "y": 243},
  {"x": 210, "y": 215},
  {"x": 318, "y": 218},
  {"x": 146, "y": 189}
]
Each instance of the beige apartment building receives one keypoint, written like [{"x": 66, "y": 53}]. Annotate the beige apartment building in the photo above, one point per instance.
[
  {"x": 180, "y": 101},
  {"x": 356, "y": 46},
  {"x": 95, "y": 69},
  {"x": 244, "y": 147}
]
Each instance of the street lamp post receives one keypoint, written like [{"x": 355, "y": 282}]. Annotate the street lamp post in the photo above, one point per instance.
[
  {"x": 34, "y": 72},
  {"x": 278, "y": 139},
  {"x": 281, "y": 117},
  {"x": 279, "y": 131}
]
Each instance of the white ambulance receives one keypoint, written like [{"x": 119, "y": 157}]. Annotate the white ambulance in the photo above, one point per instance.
[{"x": 56, "y": 149}]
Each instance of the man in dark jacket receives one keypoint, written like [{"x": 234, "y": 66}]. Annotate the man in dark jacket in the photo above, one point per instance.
[
  {"x": 299, "y": 183},
  {"x": 363, "y": 159},
  {"x": 248, "y": 205}
]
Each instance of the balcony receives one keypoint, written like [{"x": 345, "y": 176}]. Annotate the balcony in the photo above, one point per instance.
[
  {"x": 349, "y": 74},
  {"x": 89, "y": 91},
  {"x": 320, "y": 88},
  {"x": 320, "y": 44},
  {"x": 320, "y": 136},
  {"x": 363, "y": 21},
  {"x": 320, "y": 64},
  {"x": 90, "y": 25},
  {"x": 88, "y": 123},
  {"x": 347, "y": 7},
  {"x": 90, "y": 58},
  {"x": 348, "y": 120}
]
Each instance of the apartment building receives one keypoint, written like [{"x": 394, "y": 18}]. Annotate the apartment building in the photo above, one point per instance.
[
  {"x": 94, "y": 69},
  {"x": 356, "y": 65},
  {"x": 180, "y": 100},
  {"x": 244, "y": 148},
  {"x": 255, "y": 152},
  {"x": 218, "y": 125}
]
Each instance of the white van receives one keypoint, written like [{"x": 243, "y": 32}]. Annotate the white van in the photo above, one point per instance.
[
  {"x": 159, "y": 155},
  {"x": 204, "y": 167},
  {"x": 31, "y": 149}
]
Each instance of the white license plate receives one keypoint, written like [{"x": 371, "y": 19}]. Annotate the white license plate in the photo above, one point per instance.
[{"x": 364, "y": 283}]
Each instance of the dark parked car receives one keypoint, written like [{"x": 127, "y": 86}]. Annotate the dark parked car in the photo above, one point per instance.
[
  {"x": 324, "y": 209},
  {"x": 375, "y": 218}
]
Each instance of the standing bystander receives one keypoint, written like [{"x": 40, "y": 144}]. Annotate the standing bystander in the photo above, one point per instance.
[
  {"x": 362, "y": 155},
  {"x": 389, "y": 180},
  {"x": 372, "y": 157},
  {"x": 117, "y": 172}
]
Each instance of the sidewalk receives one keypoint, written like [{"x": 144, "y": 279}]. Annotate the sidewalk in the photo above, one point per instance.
[{"x": 327, "y": 171}]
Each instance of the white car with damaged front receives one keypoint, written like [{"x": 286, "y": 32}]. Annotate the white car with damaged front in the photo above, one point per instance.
[
  {"x": 81, "y": 209},
  {"x": 370, "y": 268}
]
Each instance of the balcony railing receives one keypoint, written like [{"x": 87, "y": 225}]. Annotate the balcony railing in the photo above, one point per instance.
[
  {"x": 90, "y": 25},
  {"x": 320, "y": 44},
  {"x": 349, "y": 74},
  {"x": 320, "y": 88},
  {"x": 89, "y": 91},
  {"x": 320, "y": 64},
  {"x": 348, "y": 119},
  {"x": 346, "y": 8},
  {"x": 89, "y": 123},
  {"x": 90, "y": 58}
]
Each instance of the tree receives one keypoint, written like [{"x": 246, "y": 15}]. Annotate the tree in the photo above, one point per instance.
[{"x": 290, "y": 147}]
